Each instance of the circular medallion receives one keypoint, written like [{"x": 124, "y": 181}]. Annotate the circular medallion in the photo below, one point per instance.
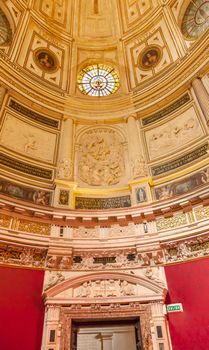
[
  {"x": 46, "y": 60},
  {"x": 5, "y": 30},
  {"x": 98, "y": 80},
  {"x": 150, "y": 57},
  {"x": 196, "y": 19}
]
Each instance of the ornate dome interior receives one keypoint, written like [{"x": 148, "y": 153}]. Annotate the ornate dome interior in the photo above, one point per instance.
[{"x": 104, "y": 114}]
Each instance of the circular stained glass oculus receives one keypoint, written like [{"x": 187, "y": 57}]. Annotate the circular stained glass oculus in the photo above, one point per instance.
[
  {"x": 196, "y": 19},
  {"x": 98, "y": 80},
  {"x": 5, "y": 29}
]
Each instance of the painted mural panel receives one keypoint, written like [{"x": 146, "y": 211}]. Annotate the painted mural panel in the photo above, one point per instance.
[
  {"x": 183, "y": 186},
  {"x": 40, "y": 197}
]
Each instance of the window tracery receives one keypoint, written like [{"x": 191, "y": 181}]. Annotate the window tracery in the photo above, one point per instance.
[
  {"x": 98, "y": 80},
  {"x": 5, "y": 29},
  {"x": 196, "y": 19}
]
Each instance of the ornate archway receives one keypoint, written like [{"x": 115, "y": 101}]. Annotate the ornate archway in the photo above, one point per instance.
[{"x": 105, "y": 296}]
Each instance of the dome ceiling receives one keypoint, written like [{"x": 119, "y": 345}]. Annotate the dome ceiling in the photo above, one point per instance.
[{"x": 99, "y": 100}]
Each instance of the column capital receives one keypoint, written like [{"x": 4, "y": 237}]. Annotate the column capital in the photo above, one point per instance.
[
  {"x": 68, "y": 117},
  {"x": 130, "y": 116}
]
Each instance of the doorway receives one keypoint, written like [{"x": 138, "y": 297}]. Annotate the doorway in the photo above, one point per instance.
[{"x": 106, "y": 335}]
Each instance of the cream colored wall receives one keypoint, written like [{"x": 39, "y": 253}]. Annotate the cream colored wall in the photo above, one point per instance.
[{"x": 106, "y": 338}]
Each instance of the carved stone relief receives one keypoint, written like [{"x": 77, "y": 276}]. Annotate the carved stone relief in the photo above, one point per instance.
[
  {"x": 17, "y": 255},
  {"x": 65, "y": 169},
  {"x": 197, "y": 247},
  {"x": 27, "y": 139},
  {"x": 58, "y": 262},
  {"x": 101, "y": 158},
  {"x": 34, "y": 227},
  {"x": 175, "y": 221},
  {"x": 139, "y": 167},
  {"x": 120, "y": 259},
  {"x": 53, "y": 279},
  {"x": 174, "y": 134},
  {"x": 105, "y": 288},
  {"x": 5, "y": 221}
]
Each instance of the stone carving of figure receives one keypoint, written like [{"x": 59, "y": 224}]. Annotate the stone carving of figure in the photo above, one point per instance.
[
  {"x": 205, "y": 176},
  {"x": 65, "y": 262},
  {"x": 31, "y": 144},
  {"x": 145, "y": 259},
  {"x": 54, "y": 278},
  {"x": 121, "y": 260},
  {"x": 52, "y": 262},
  {"x": 158, "y": 258},
  {"x": 84, "y": 291},
  {"x": 139, "y": 167},
  {"x": 184, "y": 251},
  {"x": 149, "y": 273},
  {"x": 101, "y": 158},
  {"x": 112, "y": 288},
  {"x": 64, "y": 170},
  {"x": 127, "y": 288},
  {"x": 26, "y": 256}
]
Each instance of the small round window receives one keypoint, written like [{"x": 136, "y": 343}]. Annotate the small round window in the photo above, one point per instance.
[{"x": 98, "y": 80}]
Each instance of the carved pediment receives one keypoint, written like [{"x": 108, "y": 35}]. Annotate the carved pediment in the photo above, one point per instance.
[{"x": 106, "y": 285}]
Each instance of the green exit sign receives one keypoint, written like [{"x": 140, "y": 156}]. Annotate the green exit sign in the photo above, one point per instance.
[{"x": 175, "y": 308}]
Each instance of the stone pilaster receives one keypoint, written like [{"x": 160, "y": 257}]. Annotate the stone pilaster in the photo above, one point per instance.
[
  {"x": 202, "y": 96},
  {"x": 137, "y": 161},
  {"x": 65, "y": 164}
]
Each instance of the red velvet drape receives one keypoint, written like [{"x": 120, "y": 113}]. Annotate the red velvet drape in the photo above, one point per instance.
[
  {"x": 21, "y": 309},
  {"x": 188, "y": 283}
]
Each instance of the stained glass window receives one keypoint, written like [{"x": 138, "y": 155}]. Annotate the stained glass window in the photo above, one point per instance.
[
  {"x": 98, "y": 80},
  {"x": 196, "y": 18},
  {"x": 5, "y": 30}
]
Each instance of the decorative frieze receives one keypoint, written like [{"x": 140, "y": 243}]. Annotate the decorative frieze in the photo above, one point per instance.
[
  {"x": 105, "y": 288},
  {"x": 180, "y": 187},
  {"x": 103, "y": 203},
  {"x": 34, "y": 227},
  {"x": 26, "y": 256},
  {"x": 167, "y": 110},
  {"x": 201, "y": 213},
  {"x": 174, "y": 221},
  {"x": 29, "y": 194},
  {"x": 57, "y": 262},
  {"x": 25, "y": 167},
  {"x": 117, "y": 260},
  {"x": 197, "y": 247},
  {"x": 5, "y": 221},
  {"x": 181, "y": 161},
  {"x": 33, "y": 115}
]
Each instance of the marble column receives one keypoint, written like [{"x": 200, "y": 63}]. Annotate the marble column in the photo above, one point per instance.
[
  {"x": 65, "y": 166},
  {"x": 137, "y": 161},
  {"x": 202, "y": 96}
]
